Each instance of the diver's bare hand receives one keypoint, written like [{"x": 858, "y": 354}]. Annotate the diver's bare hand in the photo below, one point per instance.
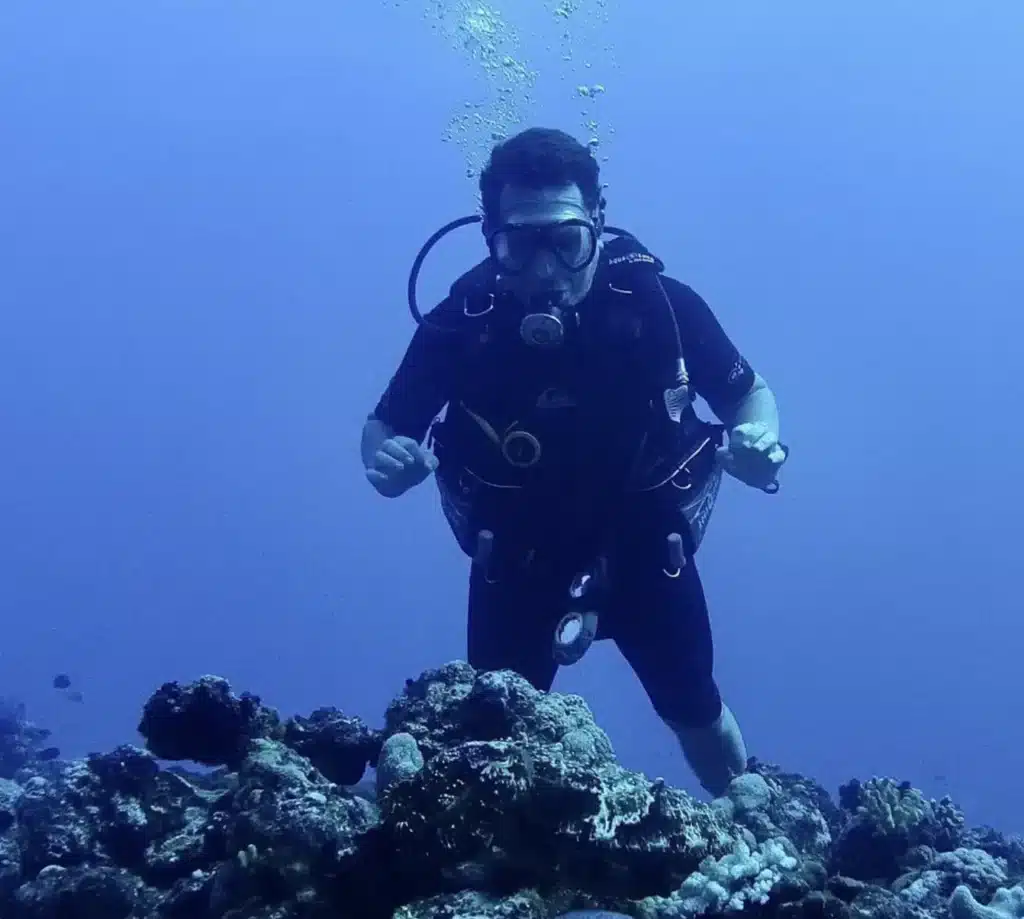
[
  {"x": 399, "y": 464},
  {"x": 753, "y": 455}
]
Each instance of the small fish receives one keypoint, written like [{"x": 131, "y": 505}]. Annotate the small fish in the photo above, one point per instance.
[
  {"x": 73, "y": 695},
  {"x": 61, "y": 681},
  {"x": 50, "y": 753}
]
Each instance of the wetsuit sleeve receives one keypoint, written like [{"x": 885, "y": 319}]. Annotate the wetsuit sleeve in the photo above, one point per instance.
[
  {"x": 718, "y": 372},
  {"x": 421, "y": 386}
]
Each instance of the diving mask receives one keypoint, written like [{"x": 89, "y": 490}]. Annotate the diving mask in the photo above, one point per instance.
[{"x": 515, "y": 246}]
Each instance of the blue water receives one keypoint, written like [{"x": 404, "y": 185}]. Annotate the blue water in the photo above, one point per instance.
[{"x": 207, "y": 214}]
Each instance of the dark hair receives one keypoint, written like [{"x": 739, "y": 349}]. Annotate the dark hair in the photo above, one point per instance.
[{"x": 539, "y": 158}]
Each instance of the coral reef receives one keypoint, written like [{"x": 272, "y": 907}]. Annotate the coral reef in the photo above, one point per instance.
[{"x": 490, "y": 799}]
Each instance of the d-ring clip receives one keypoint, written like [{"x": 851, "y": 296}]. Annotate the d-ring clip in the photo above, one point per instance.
[{"x": 466, "y": 311}]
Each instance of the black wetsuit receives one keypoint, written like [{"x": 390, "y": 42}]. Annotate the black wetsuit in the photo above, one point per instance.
[{"x": 659, "y": 622}]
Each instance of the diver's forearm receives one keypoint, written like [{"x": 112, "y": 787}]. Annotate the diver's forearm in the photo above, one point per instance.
[
  {"x": 375, "y": 432},
  {"x": 757, "y": 407}
]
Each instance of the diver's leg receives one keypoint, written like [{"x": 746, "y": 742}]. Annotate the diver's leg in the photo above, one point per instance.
[
  {"x": 512, "y": 622},
  {"x": 660, "y": 623}
]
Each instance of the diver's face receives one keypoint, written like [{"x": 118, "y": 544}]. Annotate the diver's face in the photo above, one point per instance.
[{"x": 549, "y": 267}]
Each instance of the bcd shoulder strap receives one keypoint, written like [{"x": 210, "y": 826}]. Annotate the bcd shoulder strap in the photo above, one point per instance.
[{"x": 635, "y": 270}]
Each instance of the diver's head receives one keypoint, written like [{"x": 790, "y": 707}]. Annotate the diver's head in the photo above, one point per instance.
[{"x": 543, "y": 215}]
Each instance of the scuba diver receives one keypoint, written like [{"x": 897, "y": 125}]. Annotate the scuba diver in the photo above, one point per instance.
[{"x": 552, "y": 392}]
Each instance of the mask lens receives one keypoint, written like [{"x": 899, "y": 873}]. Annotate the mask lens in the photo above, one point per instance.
[
  {"x": 573, "y": 244},
  {"x": 515, "y": 246}
]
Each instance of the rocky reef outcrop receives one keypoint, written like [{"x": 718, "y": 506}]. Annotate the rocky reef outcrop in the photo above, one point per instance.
[{"x": 489, "y": 799}]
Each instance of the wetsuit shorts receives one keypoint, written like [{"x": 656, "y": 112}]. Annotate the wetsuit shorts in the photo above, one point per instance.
[{"x": 659, "y": 622}]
